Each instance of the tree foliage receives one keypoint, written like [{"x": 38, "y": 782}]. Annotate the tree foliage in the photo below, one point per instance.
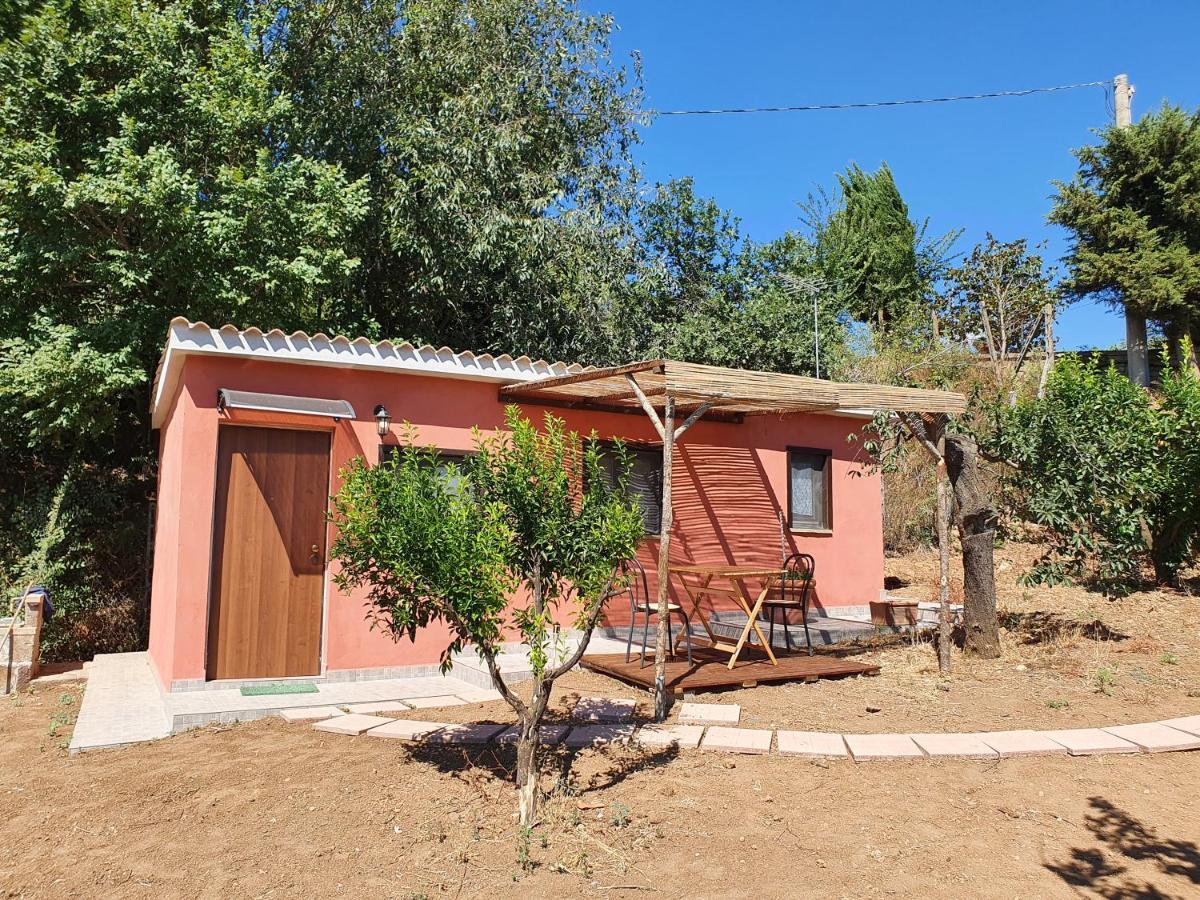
[
  {"x": 1133, "y": 213},
  {"x": 997, "y": 295},
  {"x": 1112, "y": 472},
  {"x": 533, "y": 513},
  {"x": 882, "y": 264}
]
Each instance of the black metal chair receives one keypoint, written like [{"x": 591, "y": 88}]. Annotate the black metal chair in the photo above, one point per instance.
[
  {"x": 638, "y": 589},
  {"x": 792, "y": 594}
]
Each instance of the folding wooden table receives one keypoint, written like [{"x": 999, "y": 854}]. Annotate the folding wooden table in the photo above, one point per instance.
[{"x": 736, "y": 576}]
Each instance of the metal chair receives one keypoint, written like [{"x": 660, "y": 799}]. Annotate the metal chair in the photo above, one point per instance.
[
  {"x": 793, "y": 594},
  {"x": 638, "y": 589}
]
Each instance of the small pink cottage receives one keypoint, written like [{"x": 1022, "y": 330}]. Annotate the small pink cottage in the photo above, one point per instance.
[{"x": 254, "y": 428}]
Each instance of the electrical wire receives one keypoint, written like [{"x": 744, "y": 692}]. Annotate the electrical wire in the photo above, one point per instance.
[{"x": 876, "y": 104}]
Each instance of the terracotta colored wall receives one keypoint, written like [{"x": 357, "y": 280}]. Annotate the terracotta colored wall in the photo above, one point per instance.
[{"x": 729, "y": 482}]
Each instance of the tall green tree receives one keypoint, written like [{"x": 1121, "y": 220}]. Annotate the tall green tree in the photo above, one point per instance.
[
  {"x": 494, "y": 137},
  {"x": 437, "y": 170},
  {"x": 883, "y": 265},
  {"x": 1133, "y": 213}
]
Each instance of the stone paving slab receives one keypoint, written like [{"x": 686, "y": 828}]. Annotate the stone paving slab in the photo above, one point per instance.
[
  {"x": 809, "y": 743},
  {"x": 479, "y": 695},
  {"x": 122, "y": 704},
  {"x": 598, "y": 735},
  {"x": 882, "y": 746},
  {"x": 709, "y": 714},
  {"x": 1152, "y": 737},
  {"x": 604, "y": 709},
  {"x": 435, "y": 702},
  {"x": 477, "y": 733},
  {"x": 966, "y": 746},
  {"x": 1088, "y": 741},
  {"x": 406, "y": 729},
  {"x": 685, "y": 737},
  {"x": 311, "y": 713},
  {"x": 1021, "y": 743},
  {"x": 353, "y": 724},
  {"x": 737, "y": 740},
  {"x": 379, "y": 707},
  {"x": 1190, "y": 724},
  {"x": 547, "y": 734}
]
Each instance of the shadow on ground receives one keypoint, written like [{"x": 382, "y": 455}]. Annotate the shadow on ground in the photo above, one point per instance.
[
  {"x": 500, "y": 761},
  {"x": 1101, "y": 870},
  {"x": 1040, "y": 627}
]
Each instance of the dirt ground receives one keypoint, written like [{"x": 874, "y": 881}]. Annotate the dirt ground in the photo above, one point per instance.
[{"x": 268, "y": 809}]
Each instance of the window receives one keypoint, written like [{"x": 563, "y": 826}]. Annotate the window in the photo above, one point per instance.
[
  {"x": 446, "y": 458},
  {"x": 645, "y": 479},
  {"x": 808, "y": 490}
]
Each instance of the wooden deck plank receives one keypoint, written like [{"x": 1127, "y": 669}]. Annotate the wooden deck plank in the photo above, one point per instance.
[{"x": 709, "y": 669}]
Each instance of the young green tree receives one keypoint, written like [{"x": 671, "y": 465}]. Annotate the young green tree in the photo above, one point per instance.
[
  {"x": 1133, "y": 213},
  {"x": 533, "y": 516},
  {"x": 1112, "y": 472}
]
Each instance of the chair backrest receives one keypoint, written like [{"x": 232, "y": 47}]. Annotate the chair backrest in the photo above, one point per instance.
[
  {"x": 634, "y": 575},
  {"x": 799, "y": 569}
]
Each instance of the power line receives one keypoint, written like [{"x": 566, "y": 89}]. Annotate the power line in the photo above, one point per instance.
[{"x": 874, "y": 104}]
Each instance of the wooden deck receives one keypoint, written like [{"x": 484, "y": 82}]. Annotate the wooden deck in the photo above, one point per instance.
[{"x": 709, "y": 669}]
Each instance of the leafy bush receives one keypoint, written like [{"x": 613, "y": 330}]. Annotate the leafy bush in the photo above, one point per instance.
[{"x": 1111, "y": 471}]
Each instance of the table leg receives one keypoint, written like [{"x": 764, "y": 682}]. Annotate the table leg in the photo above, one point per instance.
[
  {"x": 752, "y": 621},
  {"x": 697, "y": 613}
]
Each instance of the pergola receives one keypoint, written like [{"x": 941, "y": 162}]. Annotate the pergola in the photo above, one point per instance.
[{"x": 665, "y": 389}]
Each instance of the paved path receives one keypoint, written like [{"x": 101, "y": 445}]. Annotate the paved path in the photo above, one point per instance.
[
  {"x": 1150, "y": 737},
  {"x": 122, "y": 704}
]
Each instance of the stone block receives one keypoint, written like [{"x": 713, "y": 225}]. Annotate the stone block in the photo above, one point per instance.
[
  {"x": 352, "y": 724},
  {"x": 1154, "y": 737},
  {"x": 709, "y": 714},
  {"x": 864, "y": 747},
  {"x": 1189, "y": 724},
  {"x": 1089, "y": 741},
  {"x": 406, "y": 729},
  {"x": 969, "y": 746},
  {"x": 604, "y": 709},
  {"x": 685, "y": 737},
  {"x": 434, "y": 702},
  {"x": 598, "y": 735},
  {"x": 1021, "y": 743},
  {"x": 738, "y": 740},
  {"x": 308, "y": 713},
  {"x": 809, "y": 743},
  {"x": 547, "y": 734}
]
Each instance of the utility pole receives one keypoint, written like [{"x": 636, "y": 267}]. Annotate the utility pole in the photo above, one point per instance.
[{"x": 1137, "y": 357}]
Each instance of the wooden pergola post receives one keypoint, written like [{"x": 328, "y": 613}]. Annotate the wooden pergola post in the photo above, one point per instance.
[{"x": 665, "y": 426}]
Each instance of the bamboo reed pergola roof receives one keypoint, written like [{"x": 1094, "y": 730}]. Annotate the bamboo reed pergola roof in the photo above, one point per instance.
[{"x": 725, "y": 393}]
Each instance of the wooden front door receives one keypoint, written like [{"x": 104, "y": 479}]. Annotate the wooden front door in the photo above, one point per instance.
[{"x": 268, "y": 553}]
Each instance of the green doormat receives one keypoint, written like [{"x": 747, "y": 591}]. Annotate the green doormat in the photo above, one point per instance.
[{"x": 283, "y": 687}]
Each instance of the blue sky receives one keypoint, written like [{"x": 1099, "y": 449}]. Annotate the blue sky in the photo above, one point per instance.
[{"x": 981, "y": 165}]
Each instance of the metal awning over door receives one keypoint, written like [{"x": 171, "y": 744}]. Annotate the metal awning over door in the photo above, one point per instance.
[{"x": 281, "y": 403}]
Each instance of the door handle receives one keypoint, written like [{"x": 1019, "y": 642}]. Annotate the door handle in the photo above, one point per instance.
[{"x": 315, "y": 551}]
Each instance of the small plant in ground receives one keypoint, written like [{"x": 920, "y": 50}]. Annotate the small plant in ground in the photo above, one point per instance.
[
  {"x": 524, "y": 859},
  {"x": 618, "y": 814},
  {"x": 1057, "y": 704},
  {"x": 1169, "y": 659},
  {"x": 1105, "y": 678}
]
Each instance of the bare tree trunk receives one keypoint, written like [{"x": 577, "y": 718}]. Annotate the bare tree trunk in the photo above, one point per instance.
[
  {"x": 528, "y": 745},
  {"x": 1048, "y": 358},
  {"x": 977, "y": 532},
  {"x": 943, "y": 536}
]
